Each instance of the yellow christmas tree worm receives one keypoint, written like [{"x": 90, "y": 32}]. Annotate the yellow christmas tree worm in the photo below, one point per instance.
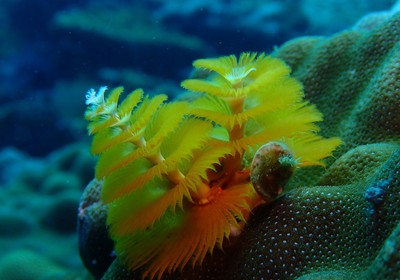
[{"x": 176, "y": 176}]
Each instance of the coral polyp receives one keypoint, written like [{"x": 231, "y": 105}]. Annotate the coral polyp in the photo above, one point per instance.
[{"x": 176, "y": 177}]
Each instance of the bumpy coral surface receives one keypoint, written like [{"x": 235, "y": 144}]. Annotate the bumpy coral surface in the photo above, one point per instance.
[
  {"x": 353, "y": 79},
  {"x": 323, "y": 228},
  {"x": 340, "y": 222}
]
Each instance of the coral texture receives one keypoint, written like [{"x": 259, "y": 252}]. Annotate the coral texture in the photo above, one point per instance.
[
  {"x": 341, "y": 222},
  {"x": 352, "y": 77},
  {"x": 323, "y": 228}
]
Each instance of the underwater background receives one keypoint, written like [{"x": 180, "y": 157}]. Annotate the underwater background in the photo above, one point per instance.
[{"x": 53, "y": 52}]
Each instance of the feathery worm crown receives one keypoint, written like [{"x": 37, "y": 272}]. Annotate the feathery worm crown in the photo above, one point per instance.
[{"x": 174, "y": 175}]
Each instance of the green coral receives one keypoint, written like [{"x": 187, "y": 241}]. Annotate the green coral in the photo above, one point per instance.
[
  {"x": 352, "y": 77},
  {"x": 357, "y": 165},
  {"x": 323, "y": 228},
  {"x": 387, "y": 263}
]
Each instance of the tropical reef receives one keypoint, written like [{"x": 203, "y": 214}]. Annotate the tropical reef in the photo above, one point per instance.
[
  {"x": 339, "y": 221},
  {"x": 54, "y": 222}
]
